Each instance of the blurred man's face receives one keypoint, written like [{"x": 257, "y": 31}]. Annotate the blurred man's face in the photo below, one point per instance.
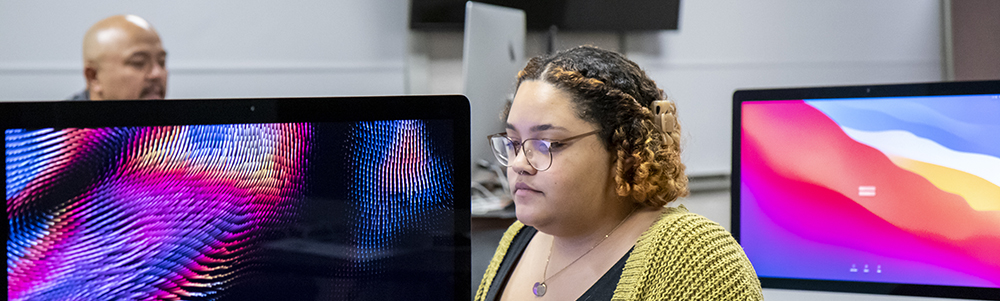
[{"x": 133, "y": 66}]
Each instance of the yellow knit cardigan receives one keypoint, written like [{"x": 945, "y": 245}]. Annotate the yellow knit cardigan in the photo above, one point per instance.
[{"x": 683, "y": 256}]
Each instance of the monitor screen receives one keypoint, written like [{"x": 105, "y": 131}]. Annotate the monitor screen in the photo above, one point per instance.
[
  {"x": 891, "y": 189},
  {"x": 240, "y": 199}
]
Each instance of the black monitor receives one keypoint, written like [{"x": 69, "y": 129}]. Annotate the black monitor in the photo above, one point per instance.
[
  {"x": 882, "y": 189},
  {"x": 570, "y": 15},
  {"x": 353, "y": 198}
]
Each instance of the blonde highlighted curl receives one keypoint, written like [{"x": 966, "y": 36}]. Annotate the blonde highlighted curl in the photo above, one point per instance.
[{"x": 613, "y": 93}]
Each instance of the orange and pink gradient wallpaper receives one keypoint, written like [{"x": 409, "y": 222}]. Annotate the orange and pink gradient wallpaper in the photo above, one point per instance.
[{"x": 891, "y": 190}]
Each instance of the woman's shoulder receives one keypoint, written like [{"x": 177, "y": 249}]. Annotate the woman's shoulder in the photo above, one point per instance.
[
  {"x": 683, "y": 234},
  {"x": 512, "y": 232},
  {"x": 679, "y": 224},
  {"x": 684, "y": 253}
]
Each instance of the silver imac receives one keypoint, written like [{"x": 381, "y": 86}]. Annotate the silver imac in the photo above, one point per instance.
[{"x": 493, "y": 53}]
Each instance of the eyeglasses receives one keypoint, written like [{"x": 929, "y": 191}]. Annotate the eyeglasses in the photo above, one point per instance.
[{"x": 538, "y": 152}]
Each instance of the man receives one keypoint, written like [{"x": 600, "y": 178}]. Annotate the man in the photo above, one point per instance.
[{"x": 123, "y": 59}]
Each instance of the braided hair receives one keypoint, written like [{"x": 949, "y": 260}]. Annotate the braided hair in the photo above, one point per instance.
[{"x": 613, "y": 93}]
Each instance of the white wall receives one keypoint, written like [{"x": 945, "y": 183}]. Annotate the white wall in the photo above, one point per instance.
[
  {"x": 217, "y": 49},
  {"x": 724, "y": 45}
]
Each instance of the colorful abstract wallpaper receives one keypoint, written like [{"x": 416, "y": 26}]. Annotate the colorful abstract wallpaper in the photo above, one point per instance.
[
  {"x": 891, "y": 190},
  {"x": 306, "y": 211}
]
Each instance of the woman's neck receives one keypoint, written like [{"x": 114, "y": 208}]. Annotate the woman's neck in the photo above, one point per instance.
[{"x": 596, "y": 230}]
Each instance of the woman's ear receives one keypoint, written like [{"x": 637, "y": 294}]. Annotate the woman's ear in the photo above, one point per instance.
[
  {"x": 627, "y": 164},
  {"x": 622, "y": 186}
]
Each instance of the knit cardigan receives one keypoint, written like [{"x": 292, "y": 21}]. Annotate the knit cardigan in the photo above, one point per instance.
[{"x": 683, "y": 256}]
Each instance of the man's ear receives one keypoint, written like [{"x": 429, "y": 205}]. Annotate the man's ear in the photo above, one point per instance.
[{"x": 90, "y": 75}]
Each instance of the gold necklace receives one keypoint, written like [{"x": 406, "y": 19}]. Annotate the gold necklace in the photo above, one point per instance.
[{"x": 540, "y": 288}]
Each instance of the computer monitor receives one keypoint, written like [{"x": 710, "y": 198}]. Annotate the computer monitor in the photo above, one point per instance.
[
  {"x": 492, "y": 54},
  {"x": 574, "y": 15},
  {"x": 883, "y": 189},
  {"x": 355, "y": 198}
]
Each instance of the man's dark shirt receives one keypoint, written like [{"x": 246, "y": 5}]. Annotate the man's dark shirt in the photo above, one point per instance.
[{"x": 82, "y": 96}]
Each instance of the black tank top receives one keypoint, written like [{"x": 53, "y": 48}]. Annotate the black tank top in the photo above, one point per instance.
[{"x": 603, "y": 289}]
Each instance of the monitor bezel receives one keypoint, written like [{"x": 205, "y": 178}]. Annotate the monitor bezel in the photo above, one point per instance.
[
  {"x": 99, "y": 114},
  {"x": 858, "y": 91}
]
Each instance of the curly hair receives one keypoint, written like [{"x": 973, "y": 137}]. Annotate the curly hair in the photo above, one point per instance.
[{"x": 613, "y": 93}]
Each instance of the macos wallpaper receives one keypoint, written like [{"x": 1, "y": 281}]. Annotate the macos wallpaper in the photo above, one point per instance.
[
  {"x": 306, "y": 211},
  {"x": 891, "y": 190}
]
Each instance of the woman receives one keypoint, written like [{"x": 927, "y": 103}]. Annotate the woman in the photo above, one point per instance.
[{"x": 591, "y": 168}]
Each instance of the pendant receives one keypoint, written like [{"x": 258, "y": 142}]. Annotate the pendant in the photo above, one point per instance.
[{"x": 539, "y": 289}]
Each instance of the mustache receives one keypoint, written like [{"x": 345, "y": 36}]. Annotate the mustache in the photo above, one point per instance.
[{"x": 158, "y": 89}]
